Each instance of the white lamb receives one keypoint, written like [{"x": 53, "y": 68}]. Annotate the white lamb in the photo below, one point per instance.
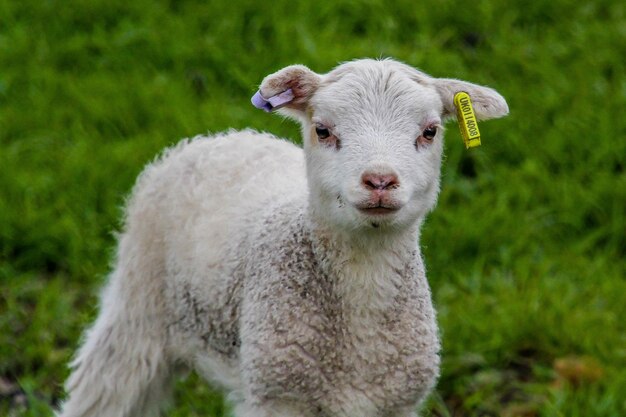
[{"x": 291, "y": 278}]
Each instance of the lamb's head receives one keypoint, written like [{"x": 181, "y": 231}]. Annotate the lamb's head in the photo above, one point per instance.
[{"x": 373, "y": 137}]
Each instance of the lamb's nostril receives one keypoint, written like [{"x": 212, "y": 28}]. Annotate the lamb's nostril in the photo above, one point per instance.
[
  {"x": 369, "y": 184},
  {"x": 379, "y": 181}
]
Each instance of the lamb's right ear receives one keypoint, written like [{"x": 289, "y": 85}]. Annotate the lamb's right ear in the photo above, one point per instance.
[{"x": 289, "y": 88}]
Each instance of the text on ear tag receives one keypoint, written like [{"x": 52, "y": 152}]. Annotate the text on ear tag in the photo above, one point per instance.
[{"x": 467, "y": 119}]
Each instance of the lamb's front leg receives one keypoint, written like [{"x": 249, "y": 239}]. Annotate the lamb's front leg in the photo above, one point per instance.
[
  {"x": 271, "y": 409},
  {"x": 403, "y": 412}
]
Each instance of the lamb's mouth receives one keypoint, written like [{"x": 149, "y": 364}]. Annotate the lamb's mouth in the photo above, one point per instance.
[{"x": 379, "y": 210}]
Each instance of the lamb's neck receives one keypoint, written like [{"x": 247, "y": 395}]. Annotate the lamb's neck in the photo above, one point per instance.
[{"x": 368, "y": 270}]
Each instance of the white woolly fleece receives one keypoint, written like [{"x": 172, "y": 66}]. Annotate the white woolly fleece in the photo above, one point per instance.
[{"x": 278, "y": 273}]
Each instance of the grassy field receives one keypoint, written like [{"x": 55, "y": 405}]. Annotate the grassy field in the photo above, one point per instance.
[{"x": 526, "y": 251}]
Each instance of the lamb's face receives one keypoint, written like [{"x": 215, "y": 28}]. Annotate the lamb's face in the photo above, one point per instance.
[
  {"x": 373, "y": 137},
  {"x": 373, "y": 141}
]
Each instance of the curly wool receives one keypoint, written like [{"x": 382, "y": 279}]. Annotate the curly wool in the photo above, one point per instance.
[{"x": 254, "y": 262}]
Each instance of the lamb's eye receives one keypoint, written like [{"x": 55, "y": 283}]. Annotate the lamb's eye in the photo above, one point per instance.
[
  {"x": 430, "y": 132},
  {"x": 322, "y": 132},
  {"x": 427, "y": 136},
  {"x": 326, "y": 138}
]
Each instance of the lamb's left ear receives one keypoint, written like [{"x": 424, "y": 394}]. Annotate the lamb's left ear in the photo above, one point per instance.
[
  {"x": 488, "y": 103},
  {"x": 289, "y": 88}
]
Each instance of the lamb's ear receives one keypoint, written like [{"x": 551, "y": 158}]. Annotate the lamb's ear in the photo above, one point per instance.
[
  {"x": 488, "y": 103},
  {"x": 289, "y": 88}
]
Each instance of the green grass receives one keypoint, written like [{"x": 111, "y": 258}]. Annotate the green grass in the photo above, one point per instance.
[{"x": 526, "y": 250}]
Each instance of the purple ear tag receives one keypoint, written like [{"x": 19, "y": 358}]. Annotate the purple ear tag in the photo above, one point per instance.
[{"x": 272, "y": 103}]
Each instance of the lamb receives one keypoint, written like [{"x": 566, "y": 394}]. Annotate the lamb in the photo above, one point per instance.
[{"x": 292, "y": 278}]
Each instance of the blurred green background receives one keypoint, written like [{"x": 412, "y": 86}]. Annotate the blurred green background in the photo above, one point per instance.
[{"x": 525, "y": 251}]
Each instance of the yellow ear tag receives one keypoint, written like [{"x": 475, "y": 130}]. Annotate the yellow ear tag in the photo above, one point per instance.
[{"x": 467, "y": 119}]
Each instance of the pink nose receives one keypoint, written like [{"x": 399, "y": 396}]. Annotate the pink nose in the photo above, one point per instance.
[{"x": 381, "y": 182}]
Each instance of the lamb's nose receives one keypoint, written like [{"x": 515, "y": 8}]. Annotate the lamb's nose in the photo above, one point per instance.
[{"x": 373, "y": 181}]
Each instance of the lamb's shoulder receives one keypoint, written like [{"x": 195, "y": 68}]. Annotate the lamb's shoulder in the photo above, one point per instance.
[
  {"x": 300, "y": 339},
  {"x": 284, "y": 309}
]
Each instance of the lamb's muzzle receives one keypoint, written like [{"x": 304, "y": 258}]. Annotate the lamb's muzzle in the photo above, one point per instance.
[
  {"x": 379, "y": 183},
  {"x": 290, "y": 277}
]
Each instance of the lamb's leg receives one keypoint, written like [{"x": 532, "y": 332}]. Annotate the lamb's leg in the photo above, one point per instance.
[
  {"x": 278, "y": 409},
  {"x": 274, "y": 409},
  {"x": 122, "y": 369},
  {"x": 406, "y": 412}
]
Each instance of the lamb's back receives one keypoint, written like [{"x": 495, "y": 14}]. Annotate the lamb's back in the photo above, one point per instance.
[{"x": 205, "y": 193}]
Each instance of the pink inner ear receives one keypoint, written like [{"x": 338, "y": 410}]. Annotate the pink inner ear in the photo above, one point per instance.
[{"x": 274, "y": 102}]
